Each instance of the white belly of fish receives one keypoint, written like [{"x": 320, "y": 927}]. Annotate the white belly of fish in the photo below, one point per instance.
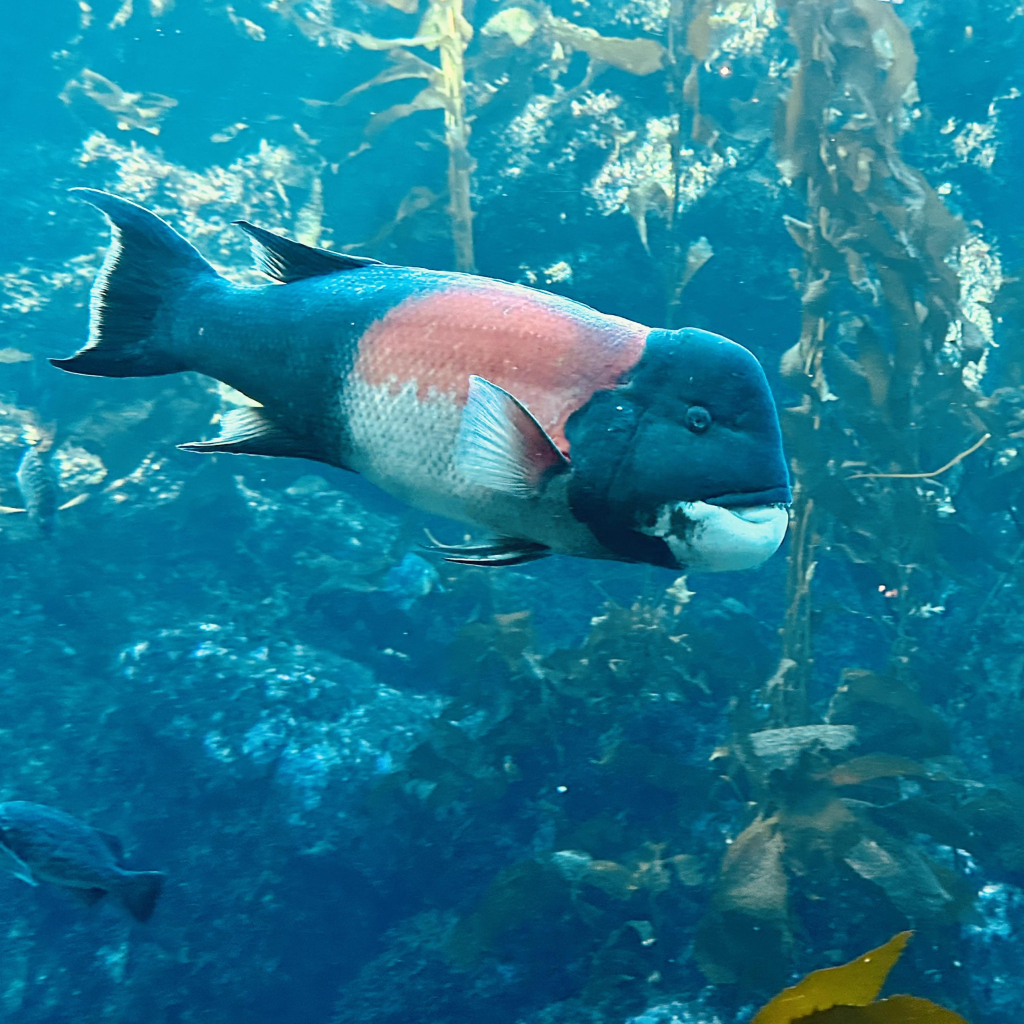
[{"x": 406, "y": 446}]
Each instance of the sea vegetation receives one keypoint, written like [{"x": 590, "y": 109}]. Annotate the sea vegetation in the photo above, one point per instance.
[
  {"x": 544, "y": 798},
  {"x": 850, "y": 993}
]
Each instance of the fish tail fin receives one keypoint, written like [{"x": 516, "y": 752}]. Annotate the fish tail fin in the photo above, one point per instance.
[
  {"x": 147, "y": 268},
  {"x": 139, "y": 892}
]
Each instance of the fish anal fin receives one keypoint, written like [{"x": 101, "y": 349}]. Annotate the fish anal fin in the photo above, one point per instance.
[
  {"x": 252, "y": 432},
  {"x": 501, "y": 446},
  {"x": 503, "y": 551},
  {"x": 285, "y": 260},
  {"x": 90, "y": 897}
]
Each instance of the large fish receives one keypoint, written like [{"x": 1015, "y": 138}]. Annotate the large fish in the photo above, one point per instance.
[
  {"x": 42, "y": 844},
  {"x": 556, "y": 428}
]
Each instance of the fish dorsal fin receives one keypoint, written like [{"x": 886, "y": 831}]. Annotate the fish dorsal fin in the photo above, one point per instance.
[
  {"x": 501, "y": 445},
  {"x": 112, "y": 843},
  {"x": 251, "y": 431},
  {"x": 285, "y": 260}
]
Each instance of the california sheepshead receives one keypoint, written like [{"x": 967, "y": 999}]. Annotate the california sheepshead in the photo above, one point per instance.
[
  {"x": 557, "y": 428},
  {"x": 41, "y": 844}
]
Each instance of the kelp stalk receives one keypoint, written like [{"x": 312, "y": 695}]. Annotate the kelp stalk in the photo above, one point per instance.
[
  {"x": 876, "y": 237},
  {"x": 455, "y": 35}
]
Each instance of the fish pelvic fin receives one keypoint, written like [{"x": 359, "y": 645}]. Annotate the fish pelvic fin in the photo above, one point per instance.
[
  {"x": 503, "y": 551},
  {"x": 88, "y": 897},
  {"x": 147, "y": 267},
  {"x": 500, "y": 444},
  {"x": 139, "y": 891},
  {"x": 252, "y": 432},
  {"x": 284, "y": 260}
]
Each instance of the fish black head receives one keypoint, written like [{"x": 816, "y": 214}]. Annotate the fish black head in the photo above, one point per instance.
[{"x": 682, "y": 464}]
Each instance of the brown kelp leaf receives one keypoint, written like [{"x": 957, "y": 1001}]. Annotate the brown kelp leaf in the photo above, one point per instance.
[
  {"x": 903, "y": 874},
  {"x": 416, "y": 200},
  {"x": 698, "y": 36},
  {"x": 875, "y": 766},
  {"x": 142, "y": 110},
  {"x": 817, "y": 828},
  {"x": 515, "y": 22},
  {"x": 637, "y": 56},
  {"x": 896, "y": 1010},
  {"x": 611, "y": 878},
  {"x": 428, "y": 99},
  {"x": 646, "y": 197},
  {"x": 854, "y": 984},
  {"x": 752, "y": 879},
  {"x": 888, "y": 715},
  {"x": 403, "y": 65}
]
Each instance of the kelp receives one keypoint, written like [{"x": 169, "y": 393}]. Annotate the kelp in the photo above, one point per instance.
[
  {"x": 537, "y": 26},
  {"x": 528, "y": 725},
  {"x": 443, "y": 29},
  {"x": 849, "y": 798},
  {"x": 139, "y": 110},
  {"x": 849, "y": 995},
  {"x": 886, "y": 355}
]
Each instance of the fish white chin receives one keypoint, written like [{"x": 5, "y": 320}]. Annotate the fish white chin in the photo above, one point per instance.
[{"x": 709, "y": 538}]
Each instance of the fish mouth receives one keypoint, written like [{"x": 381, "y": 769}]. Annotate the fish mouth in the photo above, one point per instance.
[
  {"x": 709, "y": 537},
  {"x": 780, "y": 495}
]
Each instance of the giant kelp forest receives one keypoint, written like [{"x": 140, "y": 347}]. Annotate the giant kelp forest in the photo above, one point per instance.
[{"x": 388, "y": 789}]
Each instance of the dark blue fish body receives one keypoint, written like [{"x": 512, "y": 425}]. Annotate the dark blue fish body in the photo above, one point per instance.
[
  {"x": 557, "y": 428},
  {"x": 42, "y": 844}
]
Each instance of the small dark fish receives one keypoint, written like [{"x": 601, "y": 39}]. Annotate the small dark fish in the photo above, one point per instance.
[
  {"x": 39, "y": 488},
  {"x": 557, "y": 428},
  {"x": 41, "y": 844}
]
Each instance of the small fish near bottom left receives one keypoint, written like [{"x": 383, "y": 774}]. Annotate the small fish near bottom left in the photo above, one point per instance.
[{"x": 42, "y": 844}]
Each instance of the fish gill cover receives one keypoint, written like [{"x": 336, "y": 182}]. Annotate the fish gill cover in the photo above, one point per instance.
[{"x": 385, "y": 788}]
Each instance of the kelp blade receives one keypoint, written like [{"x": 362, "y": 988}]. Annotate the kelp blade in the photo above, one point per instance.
[{"x": 852, "y": 985}]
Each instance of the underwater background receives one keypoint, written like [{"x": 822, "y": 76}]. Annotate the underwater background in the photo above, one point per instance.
[{"x": 387, "y": 788}]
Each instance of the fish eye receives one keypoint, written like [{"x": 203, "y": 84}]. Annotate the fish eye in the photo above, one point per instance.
[{"x": 698, "y": 419}]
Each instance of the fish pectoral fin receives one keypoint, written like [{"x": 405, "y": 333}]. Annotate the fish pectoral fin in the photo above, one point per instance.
[
  {"x": 9, "y": 510},
  {"x": 252, "y": 432},
  {"x": 503, "y": 551},
  {"x": 16, "y": 865},
  {"x": 284, "y": 260},
  {"x": 90, "y": 897},
  {"x": 500, "y": 444}
]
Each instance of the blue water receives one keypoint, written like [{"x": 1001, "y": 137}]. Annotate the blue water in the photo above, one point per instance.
[{"x": 386, "y": 787}]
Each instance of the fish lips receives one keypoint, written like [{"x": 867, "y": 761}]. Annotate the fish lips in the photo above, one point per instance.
[
  {"x": 703, "y": 537},
  {"x": 781, "y": 494}
]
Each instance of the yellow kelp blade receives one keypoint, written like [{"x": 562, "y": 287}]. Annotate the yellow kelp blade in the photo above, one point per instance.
[
  {"x": 897, "y": 1010},
  {"x": 854, "y": 984}
]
